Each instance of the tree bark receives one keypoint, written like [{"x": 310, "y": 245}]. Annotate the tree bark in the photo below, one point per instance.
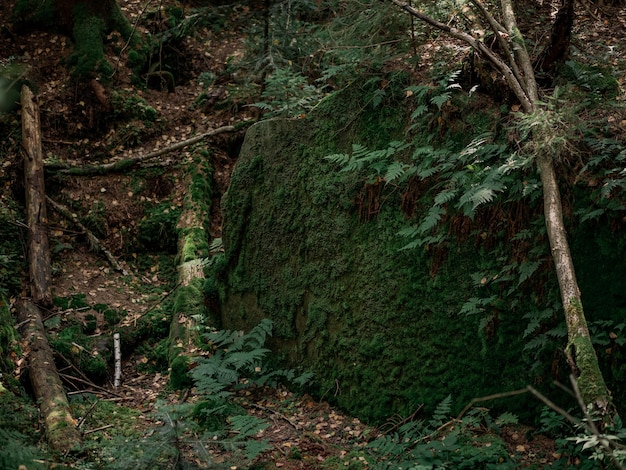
[
  {"x": 557, "y": 50},
  {"x": 36, "y": 217},
  {"x": 61, "y": 431},
  {"x": 579, "y": 351}
]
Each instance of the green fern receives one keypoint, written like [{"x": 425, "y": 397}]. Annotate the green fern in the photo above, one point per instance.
[
  {"x": 16, "y": 453},
  {"x": 441, "y": 413},
  {"x": 441, "y": 99}
]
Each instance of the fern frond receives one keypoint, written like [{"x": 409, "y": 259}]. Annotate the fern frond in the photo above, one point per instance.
[
  {"x": 445, "y": 196},
  {"x": 441, "y": 99},
  {"x": 246, "y": 426},
  {"x": 442, "y": 412},
  {"x": 243, "y": 359},
  {"x": 395, "y": 171},
  {"x": 432, "y": 219},
  {"x": 340, "y": 159},
  {"x": 419, "y": 111},
  {"x": 526, "y": 269}
]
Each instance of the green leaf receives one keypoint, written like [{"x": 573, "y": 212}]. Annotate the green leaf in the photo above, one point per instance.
[
  {"x": 526, "y": 269},
  {"x": 432, "y": 219},
  {"x": 441, "y": 99},
  {"x": 395, "y": 171}
]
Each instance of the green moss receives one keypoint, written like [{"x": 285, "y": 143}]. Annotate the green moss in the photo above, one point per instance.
[
  {"x": 75, "y": 301},
  {"x": 8, "y": 336},
  {"x": 88, "y": 55},
  {"x": 40, "y": 13},
  {"x": 76, "y": 347},
  {"x": 381, "y": 334},
  {"x": 157, "y": 229},
  {"x": 179, "y": 373},
  {"x": 12, "y": 261}
]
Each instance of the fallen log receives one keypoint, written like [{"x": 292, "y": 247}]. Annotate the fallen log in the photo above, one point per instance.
[
  {"x": 61, "y": 431},
  {"x": 127, "y": 163},
  {"x": 36, "y": 217}
]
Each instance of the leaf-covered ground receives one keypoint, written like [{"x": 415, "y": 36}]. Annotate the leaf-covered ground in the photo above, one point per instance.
[{"x": 302, "y": 432}]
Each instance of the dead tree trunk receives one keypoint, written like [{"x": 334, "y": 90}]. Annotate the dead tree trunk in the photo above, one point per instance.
[
  {"x": 61, "y": 430},
  {"x": 36, "y": 217}
]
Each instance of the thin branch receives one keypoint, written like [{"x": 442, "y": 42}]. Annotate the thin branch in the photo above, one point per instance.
[
  {"x": 81, "y": 421},
  {"x": 550, "y": 404},
  {"x": 481, "y": 48},
  {"x": 98, "y": 429},
  {"x": 501, "y": 35},
  {"x": 519, "y": 48},
  {"x": 131, "y": 162},
  {"x": 489, "y": 398},
  {"x": 93, "y": 240}
]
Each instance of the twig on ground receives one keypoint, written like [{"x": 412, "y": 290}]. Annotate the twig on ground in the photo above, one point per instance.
[
  {"x": 93, "y": 240},
  {"x": 98, "y": 429}
]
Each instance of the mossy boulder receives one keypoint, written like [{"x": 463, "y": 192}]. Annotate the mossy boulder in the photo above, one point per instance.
[
  {"x": 318, "y": 251},
  {"x": 381, "y": 333}
]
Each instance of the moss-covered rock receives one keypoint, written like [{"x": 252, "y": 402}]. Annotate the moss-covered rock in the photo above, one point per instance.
[
  {"x": 380, "y": 332},
  {"x": 379, "y": 326}
]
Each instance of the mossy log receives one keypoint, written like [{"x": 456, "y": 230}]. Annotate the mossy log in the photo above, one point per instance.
[
  {"x": 193, "y": 250},
  {"x": 61, "y": 431},
  {"x": 36, "y": 217}
]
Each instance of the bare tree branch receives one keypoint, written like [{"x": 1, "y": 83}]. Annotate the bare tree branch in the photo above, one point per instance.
[{"x": 481, "y": 48}]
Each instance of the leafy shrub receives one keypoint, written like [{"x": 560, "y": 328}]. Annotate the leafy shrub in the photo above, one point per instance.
[
  {"x": 442, "y": 442},
  {"x": 287, "y": 94},
  {"x": 157, "y": 229}
]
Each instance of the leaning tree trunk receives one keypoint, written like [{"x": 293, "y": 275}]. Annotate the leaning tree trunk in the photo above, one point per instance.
[
  {"x": 580, "y": 352},
  {"x": 61, "y": 430},
  {"x": 514, "y": 63}
]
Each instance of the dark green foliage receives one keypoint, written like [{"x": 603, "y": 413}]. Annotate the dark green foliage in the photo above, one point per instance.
[
  {"x": 471, "y": 443},
  {"x": 111, "y": 315},
  {"x": 598, "y": 82},
  {"x": 8, "y": 336},
  {"x": 17, "y": 452},
  {"x": 157, "y": 229},
  {"x": 75, "y": 301},
  {"x": 287, "y": 94},
  {"x": 381, "y": 334},
  {"x": 11, "y": 261},
  {"x": 179, "y": 373},
  {"x": 128, "y": 106},
  {"x": 212, "y": 415},
  {"x": 41, "y": 13},
  {"x": 76, "y": 347},
  {"x": 88, "y": 56}
]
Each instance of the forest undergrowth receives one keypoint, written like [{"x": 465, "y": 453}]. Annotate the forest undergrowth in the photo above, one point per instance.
[{"x": 232, "y": 406}]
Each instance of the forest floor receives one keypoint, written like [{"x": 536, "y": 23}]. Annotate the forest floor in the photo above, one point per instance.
[{"x": 77, "y": 128}]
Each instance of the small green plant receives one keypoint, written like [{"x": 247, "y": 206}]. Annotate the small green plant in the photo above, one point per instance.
[
  {"x": 16, "y": 452},
  {"x": 288, "y": 94},
  {"x": 442, "y": 442},
  {"x": 157, "y": 230}
]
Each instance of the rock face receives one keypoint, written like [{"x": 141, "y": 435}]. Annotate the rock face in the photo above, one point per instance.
[
  {"x": 380, "y": 332},
  {"x": 316, "y": 250}
]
